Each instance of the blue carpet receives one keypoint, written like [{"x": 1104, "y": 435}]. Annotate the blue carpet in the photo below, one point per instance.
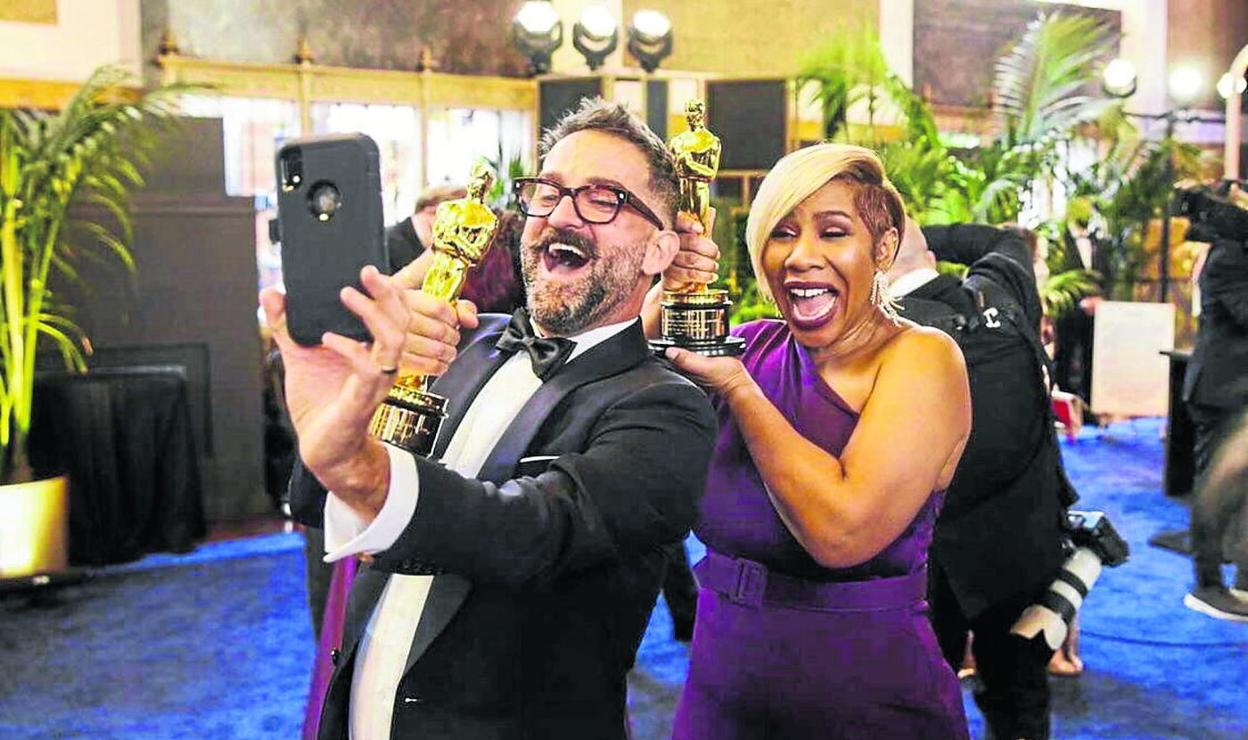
[
  {"x": 217, "y": 643},
  {"x": 219, "y": 646}
]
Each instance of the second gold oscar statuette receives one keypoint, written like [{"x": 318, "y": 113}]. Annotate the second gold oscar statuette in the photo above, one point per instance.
[
  {"x": 463, "y": 229},
  {"x": 695, "y": 317}
]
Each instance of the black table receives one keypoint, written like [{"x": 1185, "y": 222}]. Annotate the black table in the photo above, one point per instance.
[
  {"x": 1180, "y": 433},
  {"x": 1180, "y": 458},
  {"x": 125, "y": 438}
]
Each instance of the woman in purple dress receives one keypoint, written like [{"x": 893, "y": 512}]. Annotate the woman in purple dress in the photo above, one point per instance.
[{"x": 840, "y": 426}]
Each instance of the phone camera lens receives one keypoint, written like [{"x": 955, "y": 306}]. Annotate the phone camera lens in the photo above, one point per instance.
[{"x": 324, "y": 200}]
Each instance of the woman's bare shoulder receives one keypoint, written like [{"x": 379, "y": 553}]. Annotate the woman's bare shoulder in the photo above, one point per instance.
[{"x": 922, "y": 349}]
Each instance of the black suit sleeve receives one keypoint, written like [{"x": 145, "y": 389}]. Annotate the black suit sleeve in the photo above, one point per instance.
[
  {"x": 1224, "y": 280},
  {"x": 969, "y": 243},
  {"x": 306, "y": 496},
  {"x": 635, "y": 487},
  {"x": 994, "y": 254},
  {"x": 402, "y": 245}
]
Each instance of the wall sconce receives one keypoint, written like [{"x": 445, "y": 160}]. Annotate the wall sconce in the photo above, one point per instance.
[
  {"x": 595, "y": 35},
  {"x": 537, "y": 32},
  {"x": 650, "y": 38}
]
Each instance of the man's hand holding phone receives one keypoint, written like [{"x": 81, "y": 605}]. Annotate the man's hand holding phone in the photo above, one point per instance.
[{"x": 332, "y": 389}]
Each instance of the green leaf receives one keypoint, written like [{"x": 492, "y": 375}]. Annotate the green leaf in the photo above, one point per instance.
[{"x": 1037, "y": 84}]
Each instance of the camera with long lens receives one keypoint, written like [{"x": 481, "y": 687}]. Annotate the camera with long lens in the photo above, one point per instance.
[
  {"x": 1092, "y": 545},
  {"x": 1213, "y": 210}
]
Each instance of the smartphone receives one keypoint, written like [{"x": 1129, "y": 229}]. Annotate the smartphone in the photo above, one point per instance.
[{"x": 329, "y": 222}]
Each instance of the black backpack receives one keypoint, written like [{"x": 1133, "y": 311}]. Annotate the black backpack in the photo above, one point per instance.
[{"x": 1001, "y": 349}]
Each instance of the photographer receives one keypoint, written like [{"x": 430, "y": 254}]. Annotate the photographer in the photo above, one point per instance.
[
  {"x": 1216, "y": 390},
  {"x": 999, "y": 540}
]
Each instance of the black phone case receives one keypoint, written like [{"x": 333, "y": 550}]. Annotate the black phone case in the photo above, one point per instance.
[{"x": 321, "y": 256}]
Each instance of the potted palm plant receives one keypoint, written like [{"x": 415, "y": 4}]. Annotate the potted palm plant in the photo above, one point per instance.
[{"x": 91, "y": 151}]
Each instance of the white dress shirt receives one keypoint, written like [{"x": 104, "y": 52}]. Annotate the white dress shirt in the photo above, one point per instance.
[
  {"x": 387, "y": 638},
  {"x": 912, "y": 281}
]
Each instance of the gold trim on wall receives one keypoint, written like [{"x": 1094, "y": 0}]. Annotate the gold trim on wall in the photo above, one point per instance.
[
  {"x": 29, "y": 11},
  {"x": 308, "y": 83},
  {"x": 47, "y": 94}
]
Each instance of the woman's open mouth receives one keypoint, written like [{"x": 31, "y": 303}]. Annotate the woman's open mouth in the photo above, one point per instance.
[{"x": 812, "y": 306}]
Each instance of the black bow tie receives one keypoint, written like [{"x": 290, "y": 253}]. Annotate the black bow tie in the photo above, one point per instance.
[{"x": 546, "y": 354}]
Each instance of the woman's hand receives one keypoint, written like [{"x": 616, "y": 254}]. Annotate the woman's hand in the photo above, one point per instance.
[
  {"x": 697, "y": 262},
  {"x": 723, "y": 375},
  {"x": 694, "y": 266}
]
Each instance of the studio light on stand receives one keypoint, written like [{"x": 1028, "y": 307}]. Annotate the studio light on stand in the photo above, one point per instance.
[
  {"x": 595, "y": 35},
  {"x": 1186, "y": 84},
  {"x": 650, "y": 38},
  {"x": 538, "y": 32}
]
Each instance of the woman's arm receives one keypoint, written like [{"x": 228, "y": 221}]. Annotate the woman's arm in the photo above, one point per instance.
[{"x": 909, "y": 437}]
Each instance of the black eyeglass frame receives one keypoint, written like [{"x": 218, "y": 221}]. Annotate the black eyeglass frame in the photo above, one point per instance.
[{"x": 623, "y": 198}]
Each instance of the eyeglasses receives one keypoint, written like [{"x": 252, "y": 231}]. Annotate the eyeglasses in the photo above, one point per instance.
[{"x": 594, "y": 203}]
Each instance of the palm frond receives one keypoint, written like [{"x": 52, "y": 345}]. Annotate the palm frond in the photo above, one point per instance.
[
  {"x": 849, "y": 69},
  {"x": 1063, "y": 291},
  {"x": 1039, "y": 85}
]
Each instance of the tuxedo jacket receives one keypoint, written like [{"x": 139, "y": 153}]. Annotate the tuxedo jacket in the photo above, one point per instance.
[
  {"x": 548, "y": 564},
  {"x": 1217, "y": 374},
  {"x": 1000, "y": 531}
]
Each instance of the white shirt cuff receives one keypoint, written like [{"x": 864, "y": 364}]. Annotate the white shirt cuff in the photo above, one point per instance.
[{"x": 347, "y": 534}]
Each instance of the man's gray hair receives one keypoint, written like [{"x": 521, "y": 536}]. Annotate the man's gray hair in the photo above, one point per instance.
[{"x": 596, "y": 114}]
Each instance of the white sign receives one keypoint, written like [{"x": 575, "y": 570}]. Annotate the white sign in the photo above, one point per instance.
[{"x": 1130, "y": 376}]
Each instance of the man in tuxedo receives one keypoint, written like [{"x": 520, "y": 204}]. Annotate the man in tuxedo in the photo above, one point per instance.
[
  {"x": 512, "y": 578},
  {"x": 998, "y": 541},
  {"x": 1075, "y": 330}
]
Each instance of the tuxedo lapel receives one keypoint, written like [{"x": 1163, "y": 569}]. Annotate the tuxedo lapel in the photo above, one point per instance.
[
  {"x": 611, "y": 357},
  {"x": 365, "y": 593},
  {"x": 446, "y": 594},
  {"x": 464, "y": 380}
]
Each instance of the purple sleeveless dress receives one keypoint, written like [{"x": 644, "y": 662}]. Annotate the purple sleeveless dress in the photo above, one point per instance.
[{"x": 784, "y": 647}]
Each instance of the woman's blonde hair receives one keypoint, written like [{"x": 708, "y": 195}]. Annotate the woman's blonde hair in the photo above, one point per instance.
[{"x": 799, "y": 174}]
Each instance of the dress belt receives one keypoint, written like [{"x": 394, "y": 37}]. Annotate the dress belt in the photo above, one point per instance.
[{"x": 750, "y": 583}]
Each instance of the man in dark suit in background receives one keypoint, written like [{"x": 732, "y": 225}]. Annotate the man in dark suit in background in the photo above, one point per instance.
[
  {"x": 1215, "y": 389},
  {"x": 494, "y": 285},
  {"x": 1075, "y": 329},
  {"x": 511, "y": 583},
  {"x": 409, "y": 238},
  {"x": 998, "y": 541}
]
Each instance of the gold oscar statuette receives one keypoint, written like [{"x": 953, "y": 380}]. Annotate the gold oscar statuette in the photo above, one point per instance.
[
  {"x": 694, "y": 316},
  {"x": 462, "y": 231}
]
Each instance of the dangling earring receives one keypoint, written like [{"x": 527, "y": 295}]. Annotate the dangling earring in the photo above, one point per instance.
[{"x": 882, "y": 297}]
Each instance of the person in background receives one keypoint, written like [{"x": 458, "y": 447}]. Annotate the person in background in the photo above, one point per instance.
[
  {"x": 998, "y": 541},
  {"x": 840, "y": 427},
  {"x": 409, "y": 238},
  {"x": 1215, "y": 390},
  {"x": 493, "y": 286}
]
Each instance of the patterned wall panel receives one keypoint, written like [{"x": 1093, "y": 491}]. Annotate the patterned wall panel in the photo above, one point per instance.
[
  {"x": 465, "y": 36},
  {"x": 956, "y": 43},
  {"x": 752, "y": 39}
]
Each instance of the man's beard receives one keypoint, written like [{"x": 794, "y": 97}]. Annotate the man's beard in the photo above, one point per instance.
[{"x": 567, "y": 309}]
